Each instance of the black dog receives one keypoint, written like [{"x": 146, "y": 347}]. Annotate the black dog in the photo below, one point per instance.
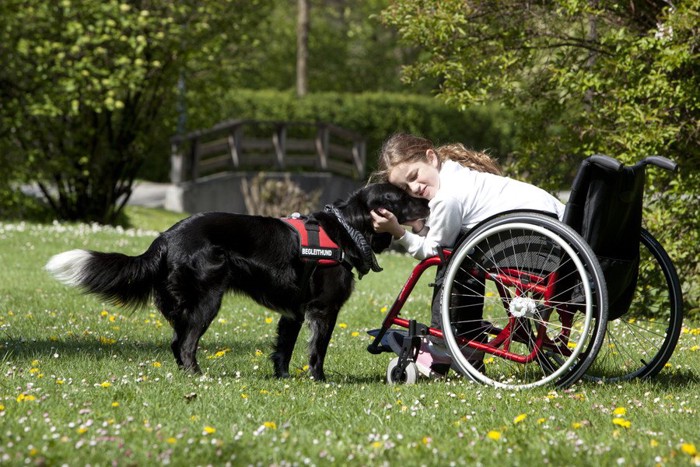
[{"x": 188, "y": 268}]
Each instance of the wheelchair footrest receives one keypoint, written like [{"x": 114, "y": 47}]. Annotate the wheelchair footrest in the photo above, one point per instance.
[{"x": 389, "y": 339}]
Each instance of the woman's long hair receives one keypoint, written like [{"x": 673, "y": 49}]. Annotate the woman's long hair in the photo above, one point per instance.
[{"x": 402, "y": 148}]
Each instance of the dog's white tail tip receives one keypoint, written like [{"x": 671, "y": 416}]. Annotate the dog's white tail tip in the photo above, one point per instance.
[{"x": 68, "y": 267}]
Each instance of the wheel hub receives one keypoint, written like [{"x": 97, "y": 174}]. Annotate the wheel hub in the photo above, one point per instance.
[{"x": 523, "y": 307}]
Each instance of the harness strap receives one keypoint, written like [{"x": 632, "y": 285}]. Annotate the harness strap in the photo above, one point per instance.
[{"x": 315, "y": 244}]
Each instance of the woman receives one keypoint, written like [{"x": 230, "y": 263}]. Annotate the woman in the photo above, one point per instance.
[{"x": 463, "y": 188}]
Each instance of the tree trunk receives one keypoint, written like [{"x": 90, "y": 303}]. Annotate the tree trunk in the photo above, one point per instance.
[{"x": 302, "y": 47}]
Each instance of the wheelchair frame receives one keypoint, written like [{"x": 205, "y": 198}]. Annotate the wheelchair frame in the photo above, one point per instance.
[{"x": 539, "y": 341}]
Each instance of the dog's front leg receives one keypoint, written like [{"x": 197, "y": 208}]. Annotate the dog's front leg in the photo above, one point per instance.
[
  {"x": 287, "y": 334},
  {"x": 321, "y": 322}
]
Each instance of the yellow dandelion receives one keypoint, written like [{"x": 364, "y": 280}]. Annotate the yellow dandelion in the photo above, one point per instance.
[
  {"x": 377, "y": 444},
  {"x": 689, "y": 448},
  {"x": 209, "y": 430},
  {"x": 619, "y": 411},
  {"x": 426, "y": 440},
  {"x": 354, "y": 334},
  {"x": 104, "y": 313},
  {"x": 541, "y": 420},
  {"x": 115, "y": 404},
  {"x": 35, "y": 362},
  {"x": 342, "y": 325},
  {"x": 494, "y": 435},
  {"x": 383, "y": 309},
  {"x": 157, "y": 364},
  {"x": 653, "y": 443},
  {"x": 221, "y": 353},
  {"x": 268, "y": 320},
  {"x": 621, "y": 422},
  {"x": 270, "y": 425},
  {"x": 695, "y": 348},
  {"x": 519, "y": 418},
  {"x": 244, "y": 396},
  {"x": 25, "y": 398},
  {"x": 576, "y": 425},
  {"x": 258, "y": 352},
  {"x": 60, "y": 381},
  {"x": 171, "y": 440},
  {"x": 81, "y": 430},
  {"x": 2, "y": 408}
]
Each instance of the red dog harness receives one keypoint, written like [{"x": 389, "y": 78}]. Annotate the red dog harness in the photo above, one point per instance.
[{"x": 315, "y": 244}]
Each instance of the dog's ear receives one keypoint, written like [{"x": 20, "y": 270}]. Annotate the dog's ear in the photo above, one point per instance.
[{"x": 380, "y": 242}]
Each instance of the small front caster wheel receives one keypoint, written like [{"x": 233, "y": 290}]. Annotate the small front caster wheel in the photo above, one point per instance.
[{"x": 395, "y": 375}]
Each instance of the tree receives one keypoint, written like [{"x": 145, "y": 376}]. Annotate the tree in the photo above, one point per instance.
[
  {"x": 302, "y": 47},
  {"x": 348, "y": 49},
  {"x": 584, "y": 77},
  {"x": 85, "y": 84}
]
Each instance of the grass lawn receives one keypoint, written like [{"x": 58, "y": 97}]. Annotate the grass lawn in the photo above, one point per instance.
[{"x": 83, "y": 382}]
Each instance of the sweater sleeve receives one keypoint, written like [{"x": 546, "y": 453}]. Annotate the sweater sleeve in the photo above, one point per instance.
[{"x": 445, "y": 223}]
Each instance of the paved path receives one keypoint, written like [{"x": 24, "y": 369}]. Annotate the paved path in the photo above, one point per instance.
[{"x": 149, "y": 194}]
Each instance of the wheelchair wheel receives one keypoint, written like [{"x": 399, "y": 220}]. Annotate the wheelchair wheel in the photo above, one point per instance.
[
  {"x": 524, "y": 303},
  {"x": 395, "y": 376},
  {"x": 640, "y": 342}
]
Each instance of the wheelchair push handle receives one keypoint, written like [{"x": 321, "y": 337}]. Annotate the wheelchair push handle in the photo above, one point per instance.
[
  {"x": 605, "y": 162},
  {"x": 660, "y": 161}
]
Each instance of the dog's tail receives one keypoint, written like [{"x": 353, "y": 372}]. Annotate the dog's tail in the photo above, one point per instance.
[{"x": 117, "y": 278}]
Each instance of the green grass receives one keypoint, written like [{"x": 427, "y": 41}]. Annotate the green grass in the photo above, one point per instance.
[{"x": 82, "y": 382}]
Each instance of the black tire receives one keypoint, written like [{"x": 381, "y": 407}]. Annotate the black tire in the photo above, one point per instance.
[
  {"x": 570, "y": 323},
  {"x": 640, "y": 342}
]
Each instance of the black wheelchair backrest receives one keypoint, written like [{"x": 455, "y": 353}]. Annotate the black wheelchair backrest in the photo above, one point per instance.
[{"x": 605, "y": 207}]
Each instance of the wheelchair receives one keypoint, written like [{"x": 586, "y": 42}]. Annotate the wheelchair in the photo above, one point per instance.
[{"x": 527, "y": 300}]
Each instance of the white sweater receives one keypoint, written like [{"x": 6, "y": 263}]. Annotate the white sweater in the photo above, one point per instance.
[{"x": 465, "y": 198}]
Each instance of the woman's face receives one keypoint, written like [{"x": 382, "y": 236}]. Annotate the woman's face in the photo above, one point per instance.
[{"x": 420, "y": 179}]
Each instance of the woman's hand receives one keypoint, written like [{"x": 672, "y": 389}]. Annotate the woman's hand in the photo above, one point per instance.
[{"x": 385, "y": 221}]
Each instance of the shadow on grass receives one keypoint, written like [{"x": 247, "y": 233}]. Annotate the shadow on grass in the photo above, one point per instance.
[
  {"x": 675, "y": 379},
  {"x": 21, "y": 351},
  {"x": 92, "y": 348},
  {"x": 332, "y": 377}
]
